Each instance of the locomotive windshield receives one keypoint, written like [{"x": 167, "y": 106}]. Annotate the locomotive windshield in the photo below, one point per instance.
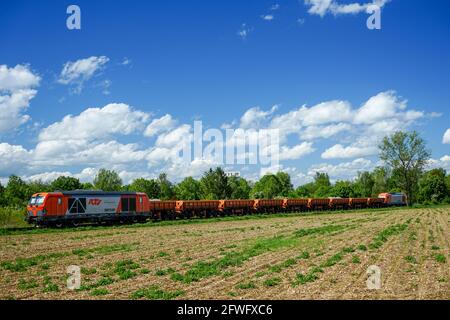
[{"x": 36, "y": 200}]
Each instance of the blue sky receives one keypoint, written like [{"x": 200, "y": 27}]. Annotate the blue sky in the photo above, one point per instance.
[{"x": 239, "y": 64}]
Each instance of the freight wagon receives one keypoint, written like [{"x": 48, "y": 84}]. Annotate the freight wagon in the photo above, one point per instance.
[{"x": 77, "y": 207}]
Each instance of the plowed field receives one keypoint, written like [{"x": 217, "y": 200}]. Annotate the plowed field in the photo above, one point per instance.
[{"x": 315, "y": 256}]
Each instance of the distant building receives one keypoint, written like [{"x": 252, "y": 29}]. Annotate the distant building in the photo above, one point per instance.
[{"x": 233, "y": 174}]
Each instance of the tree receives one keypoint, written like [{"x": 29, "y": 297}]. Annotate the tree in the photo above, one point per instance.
[
  {"x": 87, "y": 186},
  {"x": 432, "y": 186},
  {"x": 150, "y": 187},
  {"x": 447, "y": 182},
  {"x": 364, "y": 184},
  {"x": 240, "y": 188},
  {"x": 2, "y": 196},
  {"x": 165, "y": 188},
  {"x": 343, "y": 189},
  {"x": 66, "y": 184},
  {"x": 107, "y": 180},
  {"x": 268, "y": 187},
  {"x": 306, "y": 190},
  {"x": 188, "y": 189},
  {"x": 380, "y": 181},
  {"x": 285, "y": 183},
  {"x": 214, "y": 185},
  {"x": 406, "y": 153},
  {"x": 322, "y": 180},
  {"x": 16, "y": 192}
]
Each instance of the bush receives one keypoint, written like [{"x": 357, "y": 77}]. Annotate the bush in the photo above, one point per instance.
[{"x": 12, "y": 217}]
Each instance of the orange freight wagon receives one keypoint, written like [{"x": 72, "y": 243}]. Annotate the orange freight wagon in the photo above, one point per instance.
[
  {"x": 227, "y": 207},
  {"x": 318, "y": 204},
  {"x": 375, "y": 202},
  {"x": 339, "y": 203},
  {"x": 358, "y": 203},
  {"x": 194, "y": 208},
  {"x": 163, "y": 210},
  {"x": 295, "y": 205},
  {"x": 264, "y": 205}
]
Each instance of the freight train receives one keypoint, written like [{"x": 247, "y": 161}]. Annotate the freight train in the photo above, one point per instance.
[{"x": 72, "y": 208}]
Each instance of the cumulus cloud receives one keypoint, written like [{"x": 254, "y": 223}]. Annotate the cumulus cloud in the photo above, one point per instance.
[
  {"x": 254, "y": 117},
  {"x": 80, "y": 71},
  {"x": 162, "y": 124},
  {"x": 296, "y": 152},
  {"x": 12, "y": 158},
  {"x": 323, "y": 7},
  {"x": 343, "y": 170},
  {"x": 446, "y": 138},
  {"x": 17, "y": 89},
  {"x": 340, "y": 152},
  {"x": 96, "y": 123}
]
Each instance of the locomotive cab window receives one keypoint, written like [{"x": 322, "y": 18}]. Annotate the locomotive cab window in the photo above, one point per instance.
[
  {"x": 59, "y": 201},
  {"x": 132, "y": 204},
  {"x": 125, "y": 206}
]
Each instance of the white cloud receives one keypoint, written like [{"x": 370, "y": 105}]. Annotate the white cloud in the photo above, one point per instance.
[
  {"x": 162, "y": 124},
  {"x": 325, "y": 132},
  {"x": 443, "y": 162},
  {"x": 254, "y": 117},
  {"x": 12, "y": 159},
  {"x": 16, "y": 91},
  {"x": 344, "y": 170},
  {"x": 275, "y": 7},
  {"x": 96, "y": 123},
  {"x": 382, "y": 106},
  {"x": 77, "y": 72},
  {"x": 446, "y": 138},
  {"x": 322, "y": 7},
  {"x": 267, "y": 17},
  {"x": 17, "y": 78},
  {"x": 174, "y": 137},
  {"x": 340, "y": 152},
  {"x": 244, "y": 31},
  {"x": 296, "y": 152}
]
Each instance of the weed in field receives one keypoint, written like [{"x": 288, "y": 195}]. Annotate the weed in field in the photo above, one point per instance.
[
  {"x": 227, "y": 274},
  {"x": 22, "y": 264},
  {"x": 27, "y": 284},
  {"x": 362, "y": 247},
  {"x": 319, "y": 230},
  {"x": 411, "y": 259},
  {"x": 45, "y": 266},
  {"x": 304, "y": 255},
  {"x": 99, "y": 292},
  {"x": 348, "y": 250},
  {"x": 331, "y": 261},
  {"x": 162, "y": 254},
  {"x": 49, "y": 286},
  {"x": 124, "y": 269},
  {"x": 233, "y": 294},
  {"x": 145, "y": 271},
  {"x": 301, "y": 278},
  {"x": 435, "y": 248},
  {"x": 247, "y": 285},
  {"x": 272, "y": 282},
  {"x": 356, "y": 259},
  {"x": 440, "y": 258},
  {"x": 155, "y": 293},
  {"x": 384, "y": 235},
  {"x": 105, "y": 249},
  {"x": 163, "y": 272},
  {"x": 88, "y": 271},
  {"x": 260, "y": 274}
]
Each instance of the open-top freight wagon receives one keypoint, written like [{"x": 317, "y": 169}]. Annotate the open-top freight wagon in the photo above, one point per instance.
[{"x": 79, "y": 207}]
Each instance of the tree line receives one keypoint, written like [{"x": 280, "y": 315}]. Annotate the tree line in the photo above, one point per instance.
[{"x": 403, "y": 153}]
